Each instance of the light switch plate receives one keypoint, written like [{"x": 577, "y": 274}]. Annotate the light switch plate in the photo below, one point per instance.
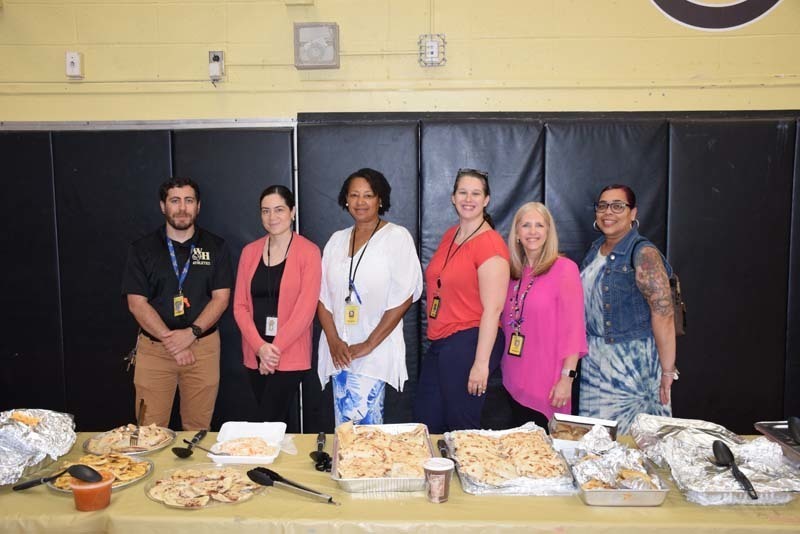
[{"x": 74, "y": 65}]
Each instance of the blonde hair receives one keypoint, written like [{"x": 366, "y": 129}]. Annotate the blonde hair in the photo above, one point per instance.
[{"x": 549, "y": 253}]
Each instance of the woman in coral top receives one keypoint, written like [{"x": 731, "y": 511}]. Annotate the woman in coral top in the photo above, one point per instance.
[
  {"x": 277, "y": 287},
  {"x": 542, "y": 320},
  {"x": 466, "y": 282}
]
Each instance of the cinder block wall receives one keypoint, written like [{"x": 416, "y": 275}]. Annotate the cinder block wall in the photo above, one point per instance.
[{"x": 147, "y": 59}]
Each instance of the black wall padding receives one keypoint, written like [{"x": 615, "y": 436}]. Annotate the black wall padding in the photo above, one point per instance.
[
  {"x": 106, "y": 196},
  {"x": 327, "y": 154},
  {"x": 792, "y": 384},
  {"x": 232, "y": 168},
  {"x": 583, "y": 156},
  {"x": 512, "y": 152},
  {"x": 31, "y": 356},
  {"x": 730, "y": 203}
]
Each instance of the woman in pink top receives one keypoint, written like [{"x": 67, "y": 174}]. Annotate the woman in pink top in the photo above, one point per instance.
[
  {"x": 542, "y": 320},
  {"x": 277, "y": 288}
]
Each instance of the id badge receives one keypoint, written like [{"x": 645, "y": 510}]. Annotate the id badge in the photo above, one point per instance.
[
  {"x": 271, "y": 328},
  {"x": 435, "y": 307},
  {"x": 351, "y": 314},
  {"x": 515, "y": 347},
  {"x": 177, "y": 305}
]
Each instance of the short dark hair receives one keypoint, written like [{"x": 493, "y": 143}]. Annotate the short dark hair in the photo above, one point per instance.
[
  {"x": 178, "y": 182},
  {"x": 630, "y": 196},
  {"x": 377, "y": 182},
  {"x": 483, "y": 176},
  {"x": 281, "y": 190}
]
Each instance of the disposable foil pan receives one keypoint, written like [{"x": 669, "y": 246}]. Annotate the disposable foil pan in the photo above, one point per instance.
[
  {"x": 778, "y": 431},
  {"x": 368, "y": 485},
  {"x": 624, "y": 497}
]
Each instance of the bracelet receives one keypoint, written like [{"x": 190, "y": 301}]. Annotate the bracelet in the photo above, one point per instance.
[{"x": 674, "y": 374}]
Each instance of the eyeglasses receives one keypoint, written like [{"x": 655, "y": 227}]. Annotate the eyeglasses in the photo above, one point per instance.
[
  {"x": 472, "y": 172},
  {"x": 616, "y": 207}
]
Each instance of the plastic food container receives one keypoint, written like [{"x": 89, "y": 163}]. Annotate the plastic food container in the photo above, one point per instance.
[
  {"x": 90, "y": 496},
  {"x": 272, "y": 433}
]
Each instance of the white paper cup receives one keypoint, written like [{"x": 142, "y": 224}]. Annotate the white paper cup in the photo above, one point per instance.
[{"x": 438, "y": 475}]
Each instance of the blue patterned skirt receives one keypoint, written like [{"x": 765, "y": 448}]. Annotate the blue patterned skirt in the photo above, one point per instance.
[{"x": 357, "y": 398}]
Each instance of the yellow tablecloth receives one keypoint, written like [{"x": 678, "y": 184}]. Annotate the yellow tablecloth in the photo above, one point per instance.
[{"x": 43, "y": 510}]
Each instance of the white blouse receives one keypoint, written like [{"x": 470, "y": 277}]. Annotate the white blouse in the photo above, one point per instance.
[{"x": 389, "y": 273}]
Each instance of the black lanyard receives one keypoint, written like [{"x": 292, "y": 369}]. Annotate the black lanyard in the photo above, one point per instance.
[
  {"x": 515, "y": 314},
  {"x": 447, "y": 258},
  {"x": 351, "y": 281},
  {"x": 269, "y": 287}
]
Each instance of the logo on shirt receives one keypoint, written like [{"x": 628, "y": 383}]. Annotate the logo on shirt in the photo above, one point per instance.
[{"x": 201, "y": 257}]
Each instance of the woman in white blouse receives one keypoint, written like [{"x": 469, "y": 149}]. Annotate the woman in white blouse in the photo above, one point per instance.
[{"x": 370, "y": 276}]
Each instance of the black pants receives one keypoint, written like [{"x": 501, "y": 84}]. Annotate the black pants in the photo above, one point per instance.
[
  {"x": 522, "y": 414},
  {"x": 275, "y": 394}
]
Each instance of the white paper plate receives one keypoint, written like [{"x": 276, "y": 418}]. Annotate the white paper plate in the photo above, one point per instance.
[{"x": 272, "y": 433}]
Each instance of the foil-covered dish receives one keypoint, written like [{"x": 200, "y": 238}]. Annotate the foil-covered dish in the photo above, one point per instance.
[
  {"x": 686, "y": 447},
  {"x": 609, "y": 473},
  {"x": 518, "y": 461},
  {"x": 31, "y": 439}
]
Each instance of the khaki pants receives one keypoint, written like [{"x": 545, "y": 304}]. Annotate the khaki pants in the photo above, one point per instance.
[{"x": 157, "y": 374}]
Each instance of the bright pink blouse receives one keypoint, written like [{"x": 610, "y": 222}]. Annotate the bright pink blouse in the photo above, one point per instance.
[{"x": 553, "y": 326}]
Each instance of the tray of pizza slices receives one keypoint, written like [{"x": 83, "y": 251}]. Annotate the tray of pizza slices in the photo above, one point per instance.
[
  {"x": 380, "y": 458},
  {"x": 517, "y": 461}
]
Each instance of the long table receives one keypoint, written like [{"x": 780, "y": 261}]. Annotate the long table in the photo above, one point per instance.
[{"x": 277, "y": 510}]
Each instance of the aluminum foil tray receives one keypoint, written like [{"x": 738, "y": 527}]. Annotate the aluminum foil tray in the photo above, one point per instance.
[{"x": 369, "y": 485}]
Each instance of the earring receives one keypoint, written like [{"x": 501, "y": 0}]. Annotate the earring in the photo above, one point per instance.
[
  {"x": 346, "y": 204},
  {"x": 635, "y": 223},
  {"x": 594, "y": 225}
]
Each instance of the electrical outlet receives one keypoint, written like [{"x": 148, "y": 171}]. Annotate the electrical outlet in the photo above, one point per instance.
[
  {"x": 74, "y": 65},
  {"x": 216, "y": 65}
]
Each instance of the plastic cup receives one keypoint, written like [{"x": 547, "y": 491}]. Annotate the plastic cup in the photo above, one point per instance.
[
  {"x": 90, "y": 496},
  {"x": 438, "y": 474}
]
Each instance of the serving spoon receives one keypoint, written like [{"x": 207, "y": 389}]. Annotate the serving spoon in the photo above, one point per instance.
[
  {"x": 209, "y": 451},
  {"x": 79, "y": 471},
  {"x": 185, "y": 452},
  {"x": 724, "y": 457}
]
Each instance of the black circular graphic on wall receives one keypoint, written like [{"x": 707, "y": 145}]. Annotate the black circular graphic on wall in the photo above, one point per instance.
[{"x": 715, "y": 17}]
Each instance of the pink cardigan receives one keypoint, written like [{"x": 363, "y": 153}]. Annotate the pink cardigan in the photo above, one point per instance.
[{"x": 297, "y": 304}]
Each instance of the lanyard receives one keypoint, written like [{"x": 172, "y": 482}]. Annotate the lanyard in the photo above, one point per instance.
[
  {"x": 182, "y": 275},
  {"x": 447, "y": 258},
  {"x": 351, "y": 287},
  {"x": 269, "y": 287},
  {"x": 515, "y": 314}
]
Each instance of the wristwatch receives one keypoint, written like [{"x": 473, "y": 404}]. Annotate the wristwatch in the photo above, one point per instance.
[
  {"x": 569, "y": 372},
  {"x": 196, "y": 330}
]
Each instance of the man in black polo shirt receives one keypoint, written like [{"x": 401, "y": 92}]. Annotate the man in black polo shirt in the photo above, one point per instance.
[{"x": 178, "y": 282}]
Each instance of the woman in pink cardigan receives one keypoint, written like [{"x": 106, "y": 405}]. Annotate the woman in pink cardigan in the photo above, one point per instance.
[{"x": 277, "y": 289}]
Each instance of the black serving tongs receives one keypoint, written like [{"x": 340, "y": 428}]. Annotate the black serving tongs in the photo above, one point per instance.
[
  {"x": 268, "y": 477},
  {"x": 724, "y": 458}
]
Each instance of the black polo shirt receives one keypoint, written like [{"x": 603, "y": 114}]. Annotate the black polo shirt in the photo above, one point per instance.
[{"x": 149, "y": 272}]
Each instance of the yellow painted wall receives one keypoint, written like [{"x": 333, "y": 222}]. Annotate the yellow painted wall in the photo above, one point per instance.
[{"x": 147, "y": 60}]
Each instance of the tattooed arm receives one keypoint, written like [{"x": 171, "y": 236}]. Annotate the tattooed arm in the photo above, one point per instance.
[{"x": 651, "y": 278}]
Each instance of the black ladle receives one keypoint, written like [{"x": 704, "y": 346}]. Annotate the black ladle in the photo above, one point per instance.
[
  {"x": 322, "y": 460},
  {"x": 724, "y": 457},
  {"x": 267, "y": 477},
  {"x": 79, "y": 471},
  {"x": 794, "y": 428},
  {"x": 185, "y": 452}
]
